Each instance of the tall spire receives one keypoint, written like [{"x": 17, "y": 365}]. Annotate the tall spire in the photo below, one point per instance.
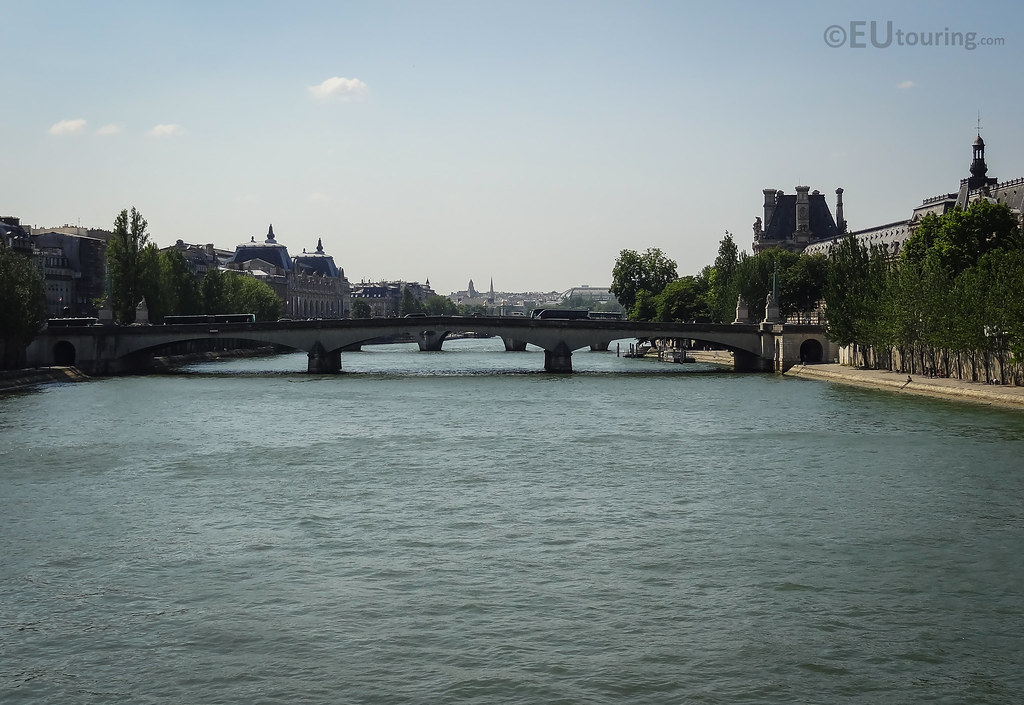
[{"x": 270, "y": 233}]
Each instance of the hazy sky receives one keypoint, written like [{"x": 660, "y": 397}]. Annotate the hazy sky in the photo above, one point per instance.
[{"x": 525, "y": 141}]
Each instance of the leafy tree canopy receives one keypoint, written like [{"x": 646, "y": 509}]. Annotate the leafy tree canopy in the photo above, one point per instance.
[
  {"x": 634, "y": 272},
  {"x": 22, "y": 298}
]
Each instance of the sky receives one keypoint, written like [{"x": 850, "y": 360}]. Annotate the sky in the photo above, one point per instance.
[{"x": 524, "y": 142}]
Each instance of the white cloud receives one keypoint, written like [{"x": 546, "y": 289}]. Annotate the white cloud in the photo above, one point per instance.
[
  {"x": 247, "y": 199},
  {"x": 110, "y": 129},
  {"x": 68, "y": 127},
  {"x": 318, "y": 197},
  {"x": 906, "y": 85},
  {"x": 169, "y": 130},
  {"x": 340, "y": 88}
]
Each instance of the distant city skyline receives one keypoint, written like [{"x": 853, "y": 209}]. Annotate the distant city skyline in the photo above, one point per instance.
[{"x": 527, "y": 142}]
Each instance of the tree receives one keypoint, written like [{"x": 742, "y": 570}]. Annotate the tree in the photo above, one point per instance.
[
  {"x": 723, "y": 290},
  {"x": 152, "y": 288},
  {"x": 181, "y": 291},
  {"x": 633, "y": 272},
  {"x": 409, "y": 303},
  {"x": 213, "y": 292},
  {"x": 958, "y": 239},
  {"x": 645, "y": 307},
  {"x": 361, "y": 308},
  {"x": 247, "y": 294},
  {"x": 124, "y": 264},
  {"x": 437, "y": 305},
  {"x": 685, "y": 299},
  {"x": 22, "y": 305}
]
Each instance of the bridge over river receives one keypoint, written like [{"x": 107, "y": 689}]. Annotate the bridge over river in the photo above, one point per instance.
[{"x": 113, "y": 349}]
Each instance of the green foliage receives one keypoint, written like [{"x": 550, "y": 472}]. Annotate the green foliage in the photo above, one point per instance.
[
  {"x": 956, "y": 289},
  {"x": 634, "y": 272},
  {"x": 247, "y": 294},
  {"x": 472, "y": 309},
  {"x": 958, "y": 239},
  {"x": 125, "y": 265},
  {"x": 22, "y": 298},
  {"x": 409, "y": 303},
  {"x": 685, "y": 299},
  {"x": 213, "y": 292},
  {"x": 722, "y": 284},
  {"x": 361, "y": 308},
  {"x": 437, "y": 305},
  {"x": 151, "y": 287},
  {"x": 645, "y": 306},
  {"x": 180, "y": 289}
]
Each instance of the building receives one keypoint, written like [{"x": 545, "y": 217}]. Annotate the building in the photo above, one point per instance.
[
  {"x": 794, "y": 221},
  {"x": 385, "y": 298},
  {"x": 201, "y": 258},
  {"x": 311, "y": 285},
  {"x": 893, "y": 236},
  {"x": 74, "y": 269}
]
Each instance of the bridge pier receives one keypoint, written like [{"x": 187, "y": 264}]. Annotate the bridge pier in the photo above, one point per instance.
[
  {"x": 513, "y": 345},
  {"x": 323, "y": 361},
  {"x": 430, "y": 340},
  {"x": 559, "y": 359},
  {"x": 600, "y": 346},
  {"x": 744, "y": 361}
]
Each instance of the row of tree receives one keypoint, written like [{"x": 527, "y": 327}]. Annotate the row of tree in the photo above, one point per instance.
[
  {"x": 139, "y": 270},
  {"x": 952, "y": 302},
  {"x": 649, "y": 288}
]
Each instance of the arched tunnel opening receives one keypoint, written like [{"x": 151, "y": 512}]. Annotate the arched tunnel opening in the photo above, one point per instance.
[
  {"x": 64, "y": 354},
  {"x": 811, "y": 351}
]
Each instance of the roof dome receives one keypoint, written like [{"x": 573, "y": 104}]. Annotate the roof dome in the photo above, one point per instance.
[
  {"x": 317, "y": 262},
  {"x": 270, "y": 251}
]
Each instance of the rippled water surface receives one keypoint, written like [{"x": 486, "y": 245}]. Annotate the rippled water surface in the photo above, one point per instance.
[{"x": 460, "y": 527}]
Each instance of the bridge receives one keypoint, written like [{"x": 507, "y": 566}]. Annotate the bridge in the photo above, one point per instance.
[{"x": 112, "y": 349}]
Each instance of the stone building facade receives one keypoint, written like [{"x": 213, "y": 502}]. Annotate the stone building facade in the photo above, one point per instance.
[
  {"x": 979, "y": 185},
  {"x": 311, "y": 285},
  {"x": 794, "y": 221}
]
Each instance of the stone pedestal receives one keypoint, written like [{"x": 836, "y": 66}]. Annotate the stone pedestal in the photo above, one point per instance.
[{"x": 742, "y": 311}]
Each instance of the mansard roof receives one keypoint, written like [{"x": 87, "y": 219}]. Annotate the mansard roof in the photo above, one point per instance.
[
  {"x": 317, "y": 262},
  {"x": 783, "y": 223},
  {"x": 270, "y": 251}
]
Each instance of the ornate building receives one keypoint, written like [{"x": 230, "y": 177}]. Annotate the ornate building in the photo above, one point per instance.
[
  {"x": 792, "y": 222},
  {"x": 978, "y": 185},
  {"x": 310, "y": 285}
]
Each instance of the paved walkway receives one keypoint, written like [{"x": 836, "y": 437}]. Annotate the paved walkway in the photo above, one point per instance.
[{"x": 975, "y": 392}]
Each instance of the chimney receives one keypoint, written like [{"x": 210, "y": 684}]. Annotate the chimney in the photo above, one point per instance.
[
  {"x": 840, "y": 221},
  {"x": 803, "y": 218},
  {"x": 769, "y": 205}
]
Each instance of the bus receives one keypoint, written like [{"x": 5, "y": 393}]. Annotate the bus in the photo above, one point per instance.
[
  {"x": 210, "y": 318},
  {"x": 562, "y": 314}
]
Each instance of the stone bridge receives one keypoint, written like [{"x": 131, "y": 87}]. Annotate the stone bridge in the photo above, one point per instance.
[{"x": 112, "y": 349}]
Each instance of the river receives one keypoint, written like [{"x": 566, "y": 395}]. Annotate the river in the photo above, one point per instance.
[{"x": 459, "y": 527}]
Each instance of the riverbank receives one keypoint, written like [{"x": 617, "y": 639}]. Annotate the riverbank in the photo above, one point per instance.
[
  {"x": 11, "y": 380},
  {"x": 940, "y": 388},
  {"x": 958, "y": 389}
]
